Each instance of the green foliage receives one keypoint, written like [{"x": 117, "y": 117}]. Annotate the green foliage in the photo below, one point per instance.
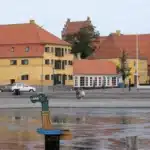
[
  {"x": 123, "y": 67},
  {"x": 82, "y": 41}
]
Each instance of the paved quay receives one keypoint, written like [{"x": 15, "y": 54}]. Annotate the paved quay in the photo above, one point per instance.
[
  {"x": 125, "y": 103},
  {"x": 88, "y": 95}
]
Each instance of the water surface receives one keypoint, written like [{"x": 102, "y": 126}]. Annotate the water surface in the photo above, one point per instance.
[{"x": 92, "y": 128}]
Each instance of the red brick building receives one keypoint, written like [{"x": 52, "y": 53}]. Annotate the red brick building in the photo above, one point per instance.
[{"x": 72, "y": 27}]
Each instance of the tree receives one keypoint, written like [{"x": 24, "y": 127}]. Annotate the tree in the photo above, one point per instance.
[
  {"x": 82, "y": 41},
  {"x": 123, "y": 67}
]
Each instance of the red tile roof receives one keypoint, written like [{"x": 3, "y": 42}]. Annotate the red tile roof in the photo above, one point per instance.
[
  {"x": 98, "y": 41},
  {"x": 94, "y": 67},
  {"x": 112, "y": 46},
  {"x": 26, "y": 34},
  {"x": 35, "y": 50}
]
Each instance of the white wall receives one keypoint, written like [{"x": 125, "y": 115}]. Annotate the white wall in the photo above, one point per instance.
[{"x": 90, "y": 79}]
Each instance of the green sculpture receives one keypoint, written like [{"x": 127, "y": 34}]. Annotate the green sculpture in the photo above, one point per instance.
[{"x": 41, "y": 98}]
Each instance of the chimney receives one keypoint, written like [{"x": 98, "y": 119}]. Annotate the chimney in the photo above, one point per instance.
[
  {"x": 118, "y": 32},
  {"x": 32, "y": 21},
  {"x": 68, "y": 20},
  {"x": 88, "y": 18}
]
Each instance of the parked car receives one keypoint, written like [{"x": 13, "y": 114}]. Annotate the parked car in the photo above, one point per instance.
[
  {"x": 22, "y": 87},
  {"x": 6, "y": 88}
]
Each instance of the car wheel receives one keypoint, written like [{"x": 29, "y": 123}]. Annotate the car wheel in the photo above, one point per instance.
[
  {"x": 1, "y": 90},
  {"x": 31, "y": 90}
]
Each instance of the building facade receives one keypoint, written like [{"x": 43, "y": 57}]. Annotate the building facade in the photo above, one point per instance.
[
  {"x": 142, "y": 69},
  {"x": 72, "y": 27},
  {"x": 95, "y": 74},
  {"x": 111, "y": 49},
  {"x": 32, "y": 55}
]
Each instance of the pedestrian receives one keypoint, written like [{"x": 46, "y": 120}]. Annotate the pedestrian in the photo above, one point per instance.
[
  {"x": 129, "y": 85},
  {"x": 78, "y": 93},
  {"x": 82, "y": 94}
]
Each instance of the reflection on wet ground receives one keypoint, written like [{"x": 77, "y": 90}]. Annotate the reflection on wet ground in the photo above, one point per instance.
[{"x": 92, "y": 128}]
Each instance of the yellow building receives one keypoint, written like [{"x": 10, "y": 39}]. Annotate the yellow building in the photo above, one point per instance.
[
  {"x": 142, "y": 69},
  {"x": 111, "y": 48},
  {"x": 32, "y": 55}
]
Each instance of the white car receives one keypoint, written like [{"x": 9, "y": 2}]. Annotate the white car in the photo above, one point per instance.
[{"x": 22, "y": 87}]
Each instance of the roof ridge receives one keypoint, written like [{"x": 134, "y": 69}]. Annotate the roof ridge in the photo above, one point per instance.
[
  {"x": 14, "y": 24},
  {"x": 77, "y": 21}
]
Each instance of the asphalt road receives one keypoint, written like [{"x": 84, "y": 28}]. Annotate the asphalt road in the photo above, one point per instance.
[{"x": 89, "y": 95}]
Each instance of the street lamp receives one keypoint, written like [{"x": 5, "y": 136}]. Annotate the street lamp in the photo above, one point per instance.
[{"x": 53, "y": 78}]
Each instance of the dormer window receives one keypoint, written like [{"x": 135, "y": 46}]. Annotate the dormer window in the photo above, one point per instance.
[
  {"x": 12, "y": 49},
  {"x": 46, "y": 49},
  {"x": 27, "y": 49}
]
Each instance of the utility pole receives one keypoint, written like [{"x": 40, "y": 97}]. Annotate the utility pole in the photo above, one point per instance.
[
  {"x": 42, "y": 76},
  {"x": 137, "y": 61},
  {"x": 53, "y": 78}
]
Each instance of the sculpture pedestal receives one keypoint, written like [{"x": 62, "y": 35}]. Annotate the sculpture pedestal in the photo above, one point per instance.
[{"x": 52, "y": 138}]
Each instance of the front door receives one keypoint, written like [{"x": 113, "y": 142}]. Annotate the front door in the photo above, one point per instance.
[{"x": 63, "y": 79}]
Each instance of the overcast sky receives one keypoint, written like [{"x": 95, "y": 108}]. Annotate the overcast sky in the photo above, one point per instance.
[{"x": 129, "y": 16}]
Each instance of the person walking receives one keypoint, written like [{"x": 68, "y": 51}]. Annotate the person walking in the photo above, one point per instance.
[
  {"x": 78, "y": 93},
  {"x": 82, "y": 94},
  {"x": 129, "y": 85}
]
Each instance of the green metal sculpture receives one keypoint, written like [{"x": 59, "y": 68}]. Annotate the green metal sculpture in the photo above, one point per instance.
[
  {"x": 41, "y": 98},
  {"x": 45, "y": 114}
]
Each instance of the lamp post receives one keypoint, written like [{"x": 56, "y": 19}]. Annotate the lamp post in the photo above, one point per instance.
[
  {"x": 53, "y": 78},
  {"x": 137, "y": 61},
  {"x": 42, "y": 76}
]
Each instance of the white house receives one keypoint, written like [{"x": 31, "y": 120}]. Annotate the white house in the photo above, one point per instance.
[{"x": 95, "y": 73}]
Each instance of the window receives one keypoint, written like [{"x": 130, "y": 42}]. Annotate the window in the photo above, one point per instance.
[
  {"x": 95, "y": 82},
  {"x": 52, "y": 50},
  {"x": 47, "y": 77},
  {"x": 25, "y": 62},
  {"x": 52, "y": 61},
  {"x": 108, "y": 80},
  {"x": 13, "y": 62},
  {"x": 114, "y": 81},
  {"x": 62, "y": 52},
  {"x": 65, "y": 77},
  {"x": 100, "y": 81},
  {"x": 70, "y": 77},
  {"x": 58, "y": 64},
  {"x": 47, "y": 61},
  {"x": 86, "y": 81},
  {"x": 82, "y": 81},
  {"x": 65, "y": 50},
  {"x": 24, "y": 77},
  {"x": 104, "y": 81},
  {"x": 76, "y": 81},
  {"x": 27, "y": 49},
  {"x": 46, "y": 49},
  {"x": 12, "y": 49},
  {"x": 59, "y": 52},
  {"x": 69, "y": 62},
  {"x": 91, "y": 81},
  {"x": 52, "y": 77},
  {"x": 65, "y": 62}
]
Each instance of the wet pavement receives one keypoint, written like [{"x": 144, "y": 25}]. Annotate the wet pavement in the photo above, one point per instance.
[{"x": 92, "y": 128}]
